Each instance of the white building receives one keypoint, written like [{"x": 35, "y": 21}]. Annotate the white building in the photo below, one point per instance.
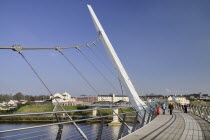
[
  {"x": 3, "y": 104},
  {"x": 178, "y": 99},
  {"x": 63, "y": 99},
  {"x": 4, "y": 108},
  {"x": 170, "y": 99},
  {"x": 112, "y": 98},
  {"x": 12, "y": 103},
  {"x": 156, "y": 100}
]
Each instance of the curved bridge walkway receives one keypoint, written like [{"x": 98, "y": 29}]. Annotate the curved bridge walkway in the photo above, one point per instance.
[{"x": 179, "y": 126}]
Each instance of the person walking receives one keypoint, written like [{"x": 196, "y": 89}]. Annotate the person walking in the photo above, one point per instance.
[
  {"x": 164, "y": 108},
  {"x": 185, "y": 108},
  {"x": 171, "y": 108}
]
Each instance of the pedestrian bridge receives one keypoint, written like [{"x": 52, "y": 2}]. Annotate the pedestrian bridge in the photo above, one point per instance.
[
  {"x": 140, "y": 122},
  {"x": 179, "y": 126},
  {"x": 192, "y": 125}
]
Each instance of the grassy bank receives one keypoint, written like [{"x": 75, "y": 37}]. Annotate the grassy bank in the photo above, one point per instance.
[
  {"x": 34, "y": 108},
  {"x": 200, "y": 103},
  {"x": 51, "y": 118},
  {"x": 79, "y": 107}
]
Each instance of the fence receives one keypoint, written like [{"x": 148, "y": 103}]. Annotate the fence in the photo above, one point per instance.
[
  {"x": 82, "y": 126},
  {"x": 201, "y": 111}
]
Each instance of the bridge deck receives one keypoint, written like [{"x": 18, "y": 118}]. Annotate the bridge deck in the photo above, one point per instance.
[{"x": 179, "y": 126}]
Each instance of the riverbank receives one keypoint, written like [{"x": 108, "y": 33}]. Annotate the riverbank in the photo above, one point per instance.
[{"x": 50, "y": 118}]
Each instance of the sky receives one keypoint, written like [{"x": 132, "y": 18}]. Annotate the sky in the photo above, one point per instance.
[{"x": 164, "y": 45}]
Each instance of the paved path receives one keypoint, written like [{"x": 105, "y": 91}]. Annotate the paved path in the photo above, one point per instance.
[{"x": 179, "y": 126}]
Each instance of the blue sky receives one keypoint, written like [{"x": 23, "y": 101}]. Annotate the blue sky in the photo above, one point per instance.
[{"x": 164, "y": 45}]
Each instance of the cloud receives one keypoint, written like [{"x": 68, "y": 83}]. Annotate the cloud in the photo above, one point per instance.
[
  {"x": 53, "y": 54},
  {"x": 168, "y": 90}
]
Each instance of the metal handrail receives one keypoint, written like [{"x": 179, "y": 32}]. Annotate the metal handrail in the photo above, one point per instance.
[
  {"x": 145, "y": 120},
  {"x": 198, "y": 110},
  {"x": 38, "y": 126},
  {"x": 53, "y": 112}
]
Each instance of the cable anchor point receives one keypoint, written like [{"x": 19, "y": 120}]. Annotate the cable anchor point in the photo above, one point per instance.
[
  {"x": 77, "y": 47},
  {"x": 17, "y": 48},
  {"x": 88, "y": 45},
  {"x": 99, "y": 33},
  {"x": 58, "y": 49}
]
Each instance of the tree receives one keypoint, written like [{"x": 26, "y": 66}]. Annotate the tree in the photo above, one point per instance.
[{"x": 18, "y": 96}]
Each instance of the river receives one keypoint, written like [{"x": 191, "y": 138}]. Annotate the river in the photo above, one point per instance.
[{"x": 50, "y": 132}]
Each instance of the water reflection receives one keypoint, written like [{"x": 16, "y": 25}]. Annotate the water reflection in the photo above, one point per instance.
[{"x": 50, "y": 133}]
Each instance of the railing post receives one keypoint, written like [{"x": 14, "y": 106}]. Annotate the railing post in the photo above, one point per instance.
[
  {"x": 148, "y": 117},
  {"x": 122, "y": 127},
  {"x": 135, "y": 122},
  {"x": 153, "y": 115},
  {"x": 205, "y": 113},
  {"x": 155, "y": 111},
  {"x": 200, "y": 113},
  {"x": 143, "y": 120},
  {"x": 60, "y": 129},
  {"x": 100, "y": 130},
  {"x": 192, "y": 110},
  {"x": 195, "y": 110}
]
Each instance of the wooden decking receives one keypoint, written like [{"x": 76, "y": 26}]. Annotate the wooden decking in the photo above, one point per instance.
[{"x": 179, "y": 126}]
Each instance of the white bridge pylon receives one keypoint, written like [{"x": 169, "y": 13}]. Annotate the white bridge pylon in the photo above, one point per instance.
[{"x": 135, "y": 101}]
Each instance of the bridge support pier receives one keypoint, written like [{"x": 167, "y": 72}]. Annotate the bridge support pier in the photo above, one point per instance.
[
  {"x": 115, "y": 121},
  {"x": 94, "y": 112}
]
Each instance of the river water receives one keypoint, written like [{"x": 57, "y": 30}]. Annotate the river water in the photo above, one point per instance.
[{"x": 49, "y": 133}]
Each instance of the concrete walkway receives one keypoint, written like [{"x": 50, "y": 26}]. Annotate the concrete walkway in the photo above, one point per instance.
[{"x": 179, "y": 126}]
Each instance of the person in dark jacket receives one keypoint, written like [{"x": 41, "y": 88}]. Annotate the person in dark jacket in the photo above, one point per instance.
[
  {"x": 185, "y": 108},
  {"x": 171, "y": 108}
]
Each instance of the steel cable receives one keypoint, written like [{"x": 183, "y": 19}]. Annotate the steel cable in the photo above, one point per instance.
[
  {"x": 85, "y": 79},
  {"x": 113, "y": 72},
  {"x": 51, "y": 93},
  {"x": 87, "y": 58}
]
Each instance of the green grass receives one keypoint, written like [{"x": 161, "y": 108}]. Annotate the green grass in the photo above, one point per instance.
[
  {"x": 34, "y": 108},
  {"x": 49, "y": 108},
  {"x": 110, "y": 112},
  {"x": 199, "y": 103},
  {"x": 67, "y": 108},
  {"x": 71, "y": 108}
]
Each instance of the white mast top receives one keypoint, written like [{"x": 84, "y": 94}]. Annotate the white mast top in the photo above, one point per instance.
[{"x": 136, "y": 102}]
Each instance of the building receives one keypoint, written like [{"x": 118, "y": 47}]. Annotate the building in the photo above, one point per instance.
[
  {"x": 12, "y": 103},
  {"x": 199, "y": 97},
  {"x": 178, "y": 99},
  {"x": 63, "y": 99},
  {"x": 112, "y": 98},
  {"x": 4, "y": 108},
  {"x": 205, "y": 97},
  {"x": 154, "y": 99},
  {"x": 195, "y": 96},
  {"x": 41, "y": 102},
  {"x": 3, "y": 104},
  {"x": 86, "y": 99}
]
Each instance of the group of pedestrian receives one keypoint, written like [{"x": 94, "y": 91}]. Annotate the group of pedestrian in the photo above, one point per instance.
[{"x": 170, "y": 107}]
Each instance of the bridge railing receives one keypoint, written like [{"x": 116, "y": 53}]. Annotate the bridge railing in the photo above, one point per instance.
[
  {"x": 83, "y": 125},
  {"x": 198, "y": 110}
]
